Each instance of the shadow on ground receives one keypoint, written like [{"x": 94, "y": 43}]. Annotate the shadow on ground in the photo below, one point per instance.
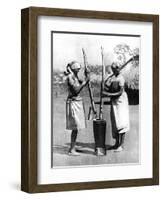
[
  {"x": 82, "y": 148},
  {"x": 85, "y": 146}
]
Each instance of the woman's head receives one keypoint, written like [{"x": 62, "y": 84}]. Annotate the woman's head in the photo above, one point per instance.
[
  {"x": 115, "y": 68},
  {"x": 75, "y": 66},
  {"x": 72, "y": 67}
]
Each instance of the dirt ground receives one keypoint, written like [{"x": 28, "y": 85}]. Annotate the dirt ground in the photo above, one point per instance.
[{"x": 85, "y": 140}]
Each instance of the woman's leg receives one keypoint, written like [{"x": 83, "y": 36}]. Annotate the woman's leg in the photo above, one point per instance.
[
  {"x": 73, "y": 139},
  {"x": 72, "y": 150},
  {"x": 120, "y": 142},
  {"x": 122, "y": 138},
  {"x": 116, "y": 141}
]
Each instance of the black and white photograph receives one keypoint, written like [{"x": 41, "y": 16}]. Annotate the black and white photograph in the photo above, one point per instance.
[
  {"x": 90, "y": 99},
  {"x": 95, "y": 99}
]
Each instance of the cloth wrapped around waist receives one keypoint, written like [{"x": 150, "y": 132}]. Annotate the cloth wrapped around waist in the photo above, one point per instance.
[
  {"x": 75, "y": 114},
  {"x": 120, "y": 114}
]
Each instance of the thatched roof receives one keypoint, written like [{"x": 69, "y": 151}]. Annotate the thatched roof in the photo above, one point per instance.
[{"x": 131, "y": 76}]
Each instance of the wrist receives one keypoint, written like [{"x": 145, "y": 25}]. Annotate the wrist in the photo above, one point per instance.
[{"x": 84, "y": 83}]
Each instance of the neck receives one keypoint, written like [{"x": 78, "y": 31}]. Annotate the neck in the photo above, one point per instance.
[{"x": 116, "y": 74}]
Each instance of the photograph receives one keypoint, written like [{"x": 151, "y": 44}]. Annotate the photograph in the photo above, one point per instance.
[
  {"x": 95, "y": 99},
  {"x": 90, "y": 99}
]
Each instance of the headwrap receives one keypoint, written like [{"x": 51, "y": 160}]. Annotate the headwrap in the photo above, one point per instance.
[
  {"x": 75, "y": 65},
  {"x": 71, "y": 66},
  {"x": 116, "y": 65}
]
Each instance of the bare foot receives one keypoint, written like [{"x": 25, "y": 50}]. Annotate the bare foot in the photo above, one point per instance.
[
  {"x": 119, "y": 149},
  {"x": 73, "y": 153}
]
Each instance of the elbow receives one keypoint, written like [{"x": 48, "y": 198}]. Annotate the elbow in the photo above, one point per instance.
[
  {"x": 106, "y": 89},
  {"x": 119, "y": 93}
]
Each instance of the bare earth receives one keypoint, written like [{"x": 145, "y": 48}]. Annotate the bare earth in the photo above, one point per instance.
[{"x": 85, "y": 140}]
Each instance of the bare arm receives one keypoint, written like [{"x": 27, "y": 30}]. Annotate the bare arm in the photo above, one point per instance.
[
  {"x": 115, "y": 94},
  {"x": 108, "y": 77},
  {"x": 77, "y": 89}
]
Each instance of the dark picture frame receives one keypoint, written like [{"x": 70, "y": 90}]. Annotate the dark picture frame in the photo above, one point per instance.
[{"x": 29, "y": 98}]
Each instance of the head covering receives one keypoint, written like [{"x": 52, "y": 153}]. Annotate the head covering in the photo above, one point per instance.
[
  {"x": 75, "y": 65},
  {"x": 116, "y": 65}
]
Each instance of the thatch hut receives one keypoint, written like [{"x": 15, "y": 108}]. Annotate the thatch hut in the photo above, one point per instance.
[{"x": 131, "y": 75}]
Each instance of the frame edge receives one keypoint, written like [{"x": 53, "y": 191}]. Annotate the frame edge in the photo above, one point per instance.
[
  {"x": 156, "y": 100},
  {"x": 28, "y": 73},
  {"x": 24, "y": 99}
]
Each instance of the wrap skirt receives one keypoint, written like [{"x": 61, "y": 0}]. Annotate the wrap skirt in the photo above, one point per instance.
[
  {"x": 120, "y": 115},
  {"x": 75, "y": 115}
]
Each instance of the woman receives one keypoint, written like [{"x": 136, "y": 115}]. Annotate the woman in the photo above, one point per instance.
[
  {"x": 75, "y": 115},
  {"x": 114, "y": 88}
]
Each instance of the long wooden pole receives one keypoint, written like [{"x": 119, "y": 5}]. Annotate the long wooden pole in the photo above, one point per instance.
[
  {"x": 102, "y": 85},
  {"x": 89, "y": 85},
  {"x": 124, "y": 65}
]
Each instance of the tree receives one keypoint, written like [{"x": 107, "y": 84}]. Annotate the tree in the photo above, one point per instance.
[{"x": 124, "y": 52}]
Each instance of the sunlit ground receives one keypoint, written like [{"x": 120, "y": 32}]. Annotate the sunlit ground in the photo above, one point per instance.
[{"x": 85, "y": 140}]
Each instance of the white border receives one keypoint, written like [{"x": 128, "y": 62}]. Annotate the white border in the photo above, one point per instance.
[{"x": 47, "y": 175}]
